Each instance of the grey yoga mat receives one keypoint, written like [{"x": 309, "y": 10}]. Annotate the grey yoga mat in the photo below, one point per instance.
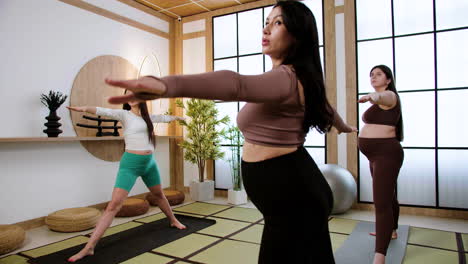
[{"x": 359, "y": 247}]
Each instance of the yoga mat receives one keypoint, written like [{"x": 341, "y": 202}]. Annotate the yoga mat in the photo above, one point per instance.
[
  {"x": 360, "y": 246},
  {"x": 130, "y": 243}
]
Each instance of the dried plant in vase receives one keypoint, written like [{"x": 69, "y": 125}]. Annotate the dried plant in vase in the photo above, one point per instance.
[{"x": 53, "y": 101}]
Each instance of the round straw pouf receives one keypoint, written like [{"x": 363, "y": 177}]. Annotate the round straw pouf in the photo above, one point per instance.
[
  {"x": 73, "y": 219},
  {"x": 174, "y": 197},
  {"x": 11, "y": 238},
  {"x": 133, "y": 207}
]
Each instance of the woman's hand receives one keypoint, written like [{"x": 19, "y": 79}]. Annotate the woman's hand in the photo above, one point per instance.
[
  {"x": 372, "y": 98},
  {"x": 143, "y": 89},
  {"x": 77, "y": 108}
]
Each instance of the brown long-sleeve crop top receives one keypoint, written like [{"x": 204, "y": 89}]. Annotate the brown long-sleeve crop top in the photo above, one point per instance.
[{"x": 273, "y": 115}]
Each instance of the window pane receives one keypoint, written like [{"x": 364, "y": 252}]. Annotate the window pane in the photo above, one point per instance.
[
  {"x": 268, "y": 63},
  {"x": 371, "y": 53},
  {"x": 362, "y": 108},
  {"x": 224, "y": 36},
  {"x": 316, "y": 7},
  {"x": 451, "y": 13},
  {"x": 415, "y": 57},
  {"x": 250, "y": 31},
  {"x": 229, "y": 109},
  {"x": 314, "y": 138},
  {"x": 365, "y": 180},
  {"x": 251, "y": 65},
  {"x": 321, "y": 59},
  {"x": 318, "y": 154},
  {"x": 416, "y": 182},
  {"x": 452, "y": 118},
  {"x": 452, "y": 57},
  {"x": 453, "y": 178},
  {"x": 226, "y": 64},
  {"x": 413, "y": 16},
  {"x": 223, "y": 175},
  {"x": 418, "y": 108},
  {"x": 266, "y": 12},
  {"x": 374, "y": 19}
]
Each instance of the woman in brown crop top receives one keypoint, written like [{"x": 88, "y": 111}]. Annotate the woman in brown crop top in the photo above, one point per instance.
[
  {"x": 280, "y": 177},
  {"x": 379, "y": 141}
]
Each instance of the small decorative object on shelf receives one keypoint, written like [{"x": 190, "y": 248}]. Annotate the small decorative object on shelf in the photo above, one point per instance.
[
  {"x": 53, "y": 101},
  {"x": 100, "y": 128}
]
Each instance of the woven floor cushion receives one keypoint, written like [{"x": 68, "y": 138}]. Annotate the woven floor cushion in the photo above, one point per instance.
[
  {"x": 11, "y": 238},
  {"x": 133, "y": 207},
  {"x": 174, "y": 197},
  {"x": 73, "y": 219}
]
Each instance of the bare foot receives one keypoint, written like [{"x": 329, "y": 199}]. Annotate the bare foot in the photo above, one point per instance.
[
  {"x": 177, "y": 224},
  {"x": 379, "y": 258},
  {"x": 83, "y": 253},
  {"x": 394, "y": 234}
]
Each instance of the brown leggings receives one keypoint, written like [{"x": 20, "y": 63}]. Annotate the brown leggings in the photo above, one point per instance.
[{"x": 385, "y": 157}]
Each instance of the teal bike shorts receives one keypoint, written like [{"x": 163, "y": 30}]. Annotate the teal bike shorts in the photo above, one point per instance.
[{"x": 133, "y": 166}]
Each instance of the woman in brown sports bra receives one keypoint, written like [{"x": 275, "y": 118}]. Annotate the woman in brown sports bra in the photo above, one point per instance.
[{"x": 379, "y": 141}]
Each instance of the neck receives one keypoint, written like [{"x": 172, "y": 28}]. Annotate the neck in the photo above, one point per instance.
[
  {"x": 380, "y": 89},
  {"x": 135, "y": 110},
  {"x": 276, "y": 61}
]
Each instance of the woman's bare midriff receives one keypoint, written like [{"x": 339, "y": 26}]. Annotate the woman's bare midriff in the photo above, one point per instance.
[
  {"x": 254, "y": 153},
  {"x": 377, "y": 131},
  {"x": 139, "y": 152}
]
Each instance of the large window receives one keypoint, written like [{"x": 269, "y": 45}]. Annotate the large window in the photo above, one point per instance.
[
  {"x": 424, "y": 43},
  {"x": 237, "y": 47}
]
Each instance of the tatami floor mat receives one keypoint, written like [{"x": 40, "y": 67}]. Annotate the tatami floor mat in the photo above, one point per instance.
[
  {"x": 51, "y": 248},
  {"x": 148, "y": 258},
  {"x": 251, "y": 234},
  {"x": 186, "y": 245},
  {"x": 235, "y": 239},
  {"x": 243, "y": 214},
  {"x": 223, "y": 227},
  {"x": 201, "y": 208},
  {"x": 337, "y": 240},
  {"x": 424, "y": 255},
  {"x": 151, "y": 218},
  {"x": 14, "y": 259},
  {"x": 229, "y": 252},
  {"x": 465, "y": 241},
  {"x": 344, "y": 226},
  {"x": 433, "y": 238},
  {"x": 120, "y": 228}
]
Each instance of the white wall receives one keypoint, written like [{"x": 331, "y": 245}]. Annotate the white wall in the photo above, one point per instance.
[
  {"x": 43, "y": 46},
  {"x": 194, "y": 61}
]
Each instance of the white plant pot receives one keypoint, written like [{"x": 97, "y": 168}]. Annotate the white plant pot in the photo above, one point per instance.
[
  {"x": 202, "y": 191},
  {"x": 237, "y": 197}
]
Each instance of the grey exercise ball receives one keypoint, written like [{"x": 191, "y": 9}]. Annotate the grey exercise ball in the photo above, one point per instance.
[{"x": 343, "y": 187}]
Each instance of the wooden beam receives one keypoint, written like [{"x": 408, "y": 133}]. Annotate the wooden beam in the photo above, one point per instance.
[{"x": 124, "y": 20}]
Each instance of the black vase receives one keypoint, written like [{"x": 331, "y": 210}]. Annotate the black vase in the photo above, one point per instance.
[{"x": 52, "y": 125}]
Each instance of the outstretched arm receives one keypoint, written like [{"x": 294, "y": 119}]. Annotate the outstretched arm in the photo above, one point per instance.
[
  {"x": 274, "y": 86},
  {"x": 100, "y": 111},
  {"x": 340, "y": 125},
  {"x": 86, "y": 109},
  {"x": 386, "y": 98},
  {"x": 165, "y": 118}
]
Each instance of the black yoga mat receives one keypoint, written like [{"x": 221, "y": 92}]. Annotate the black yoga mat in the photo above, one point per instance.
[{"x": 130, "y": 243}]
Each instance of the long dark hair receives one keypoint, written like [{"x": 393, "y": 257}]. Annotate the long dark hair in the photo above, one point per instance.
[
  {"x": 391, "y": 87},
  {"x": 145, "y": 115},
  {"x": 304, "y": 56}
]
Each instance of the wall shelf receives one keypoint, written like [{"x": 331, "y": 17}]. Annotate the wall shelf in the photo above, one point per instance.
[{"x": 64, "y": 139}]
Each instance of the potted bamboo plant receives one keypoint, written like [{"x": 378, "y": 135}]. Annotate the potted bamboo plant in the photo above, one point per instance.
[
  {"x": 53, "y": 101},
  {"x": 237, "y": 194},
  {"x": 202, "y": 142}
]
